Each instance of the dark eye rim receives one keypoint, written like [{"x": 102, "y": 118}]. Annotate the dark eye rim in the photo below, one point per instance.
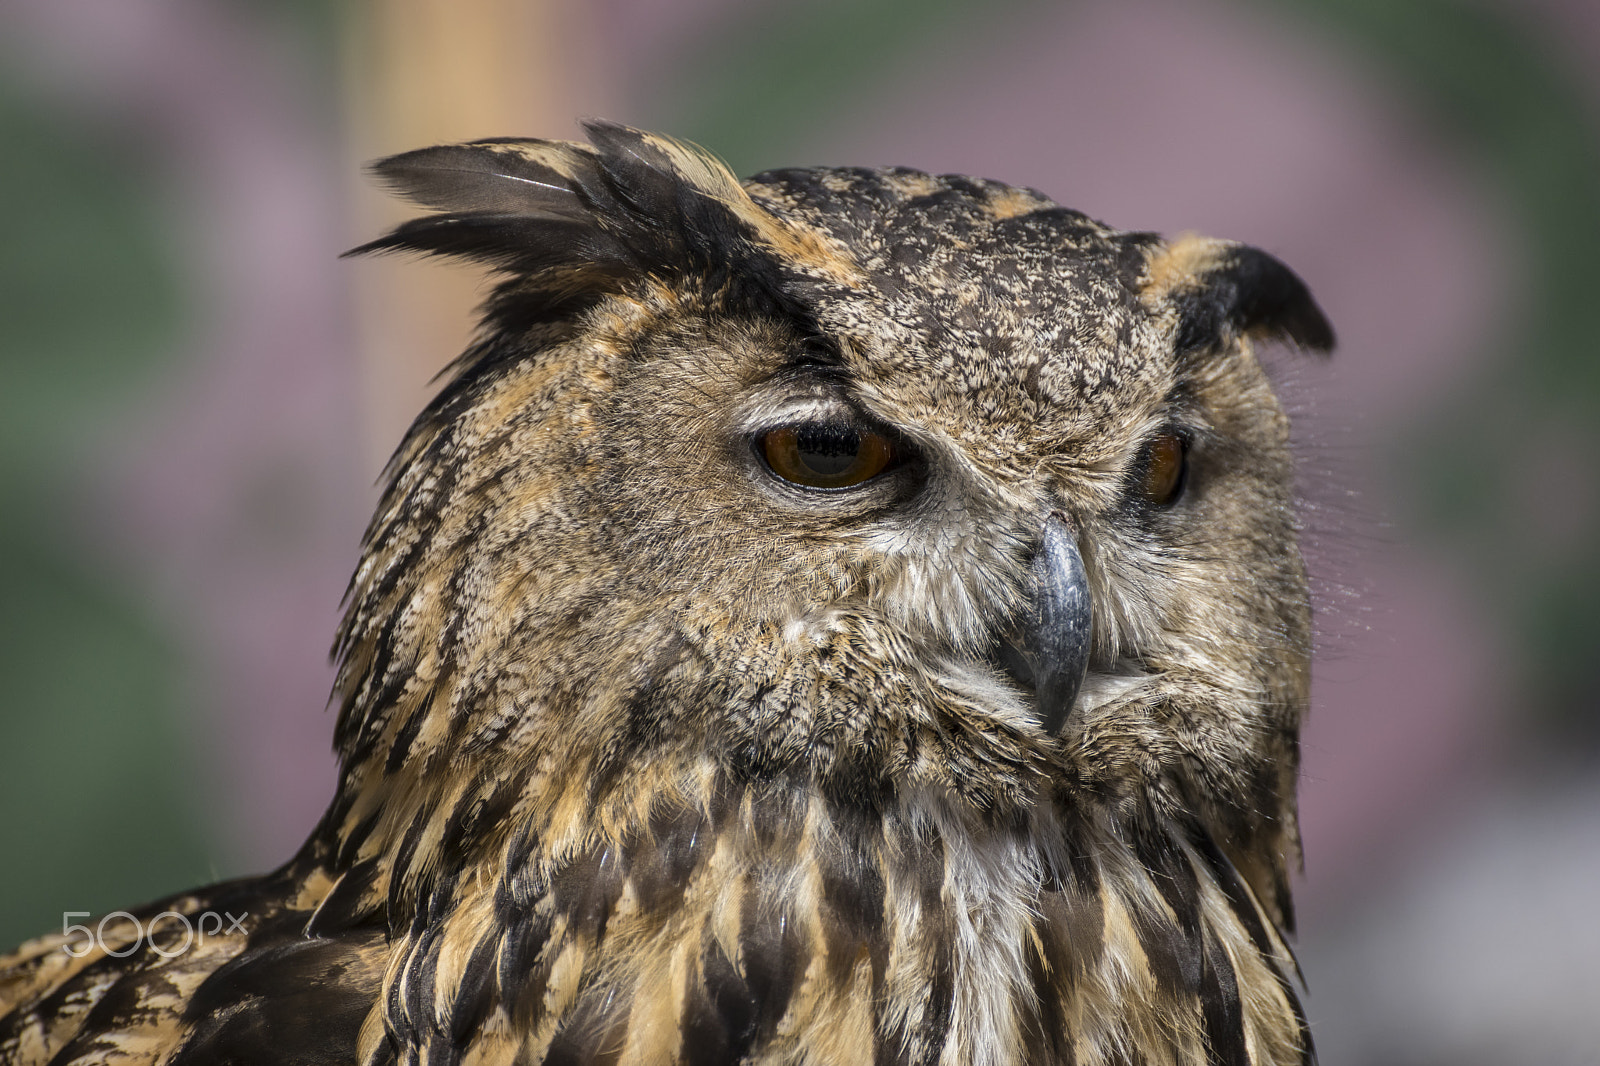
[
  {"x": 1141, "y": 469},
  {"x": 902, "y": 457}
]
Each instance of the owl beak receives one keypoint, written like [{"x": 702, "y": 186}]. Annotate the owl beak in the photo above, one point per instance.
[{"x": 1049, "y": 650}]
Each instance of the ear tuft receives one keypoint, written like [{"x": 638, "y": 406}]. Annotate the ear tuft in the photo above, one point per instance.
[
  {"x": 571, "y": 222},
  {"x": 1222, "y": 290},
  {"x": 494, "y": 177}
]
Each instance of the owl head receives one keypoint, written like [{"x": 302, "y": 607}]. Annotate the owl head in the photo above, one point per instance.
[{"x": 874, "y": 482}]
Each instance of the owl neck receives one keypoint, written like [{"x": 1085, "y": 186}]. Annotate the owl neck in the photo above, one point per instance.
[{"x": 907, "y": 917}]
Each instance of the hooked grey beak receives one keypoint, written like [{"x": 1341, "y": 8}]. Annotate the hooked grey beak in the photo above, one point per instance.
[{"x": 1049, "y": 649}]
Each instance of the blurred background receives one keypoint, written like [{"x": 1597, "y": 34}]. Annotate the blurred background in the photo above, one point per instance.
[{"x": 196, "y": 397}]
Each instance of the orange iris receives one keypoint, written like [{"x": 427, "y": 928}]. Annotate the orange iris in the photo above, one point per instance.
[
  {"x": 826, "y": 455},
  {"x": 1163, "y": 469}
]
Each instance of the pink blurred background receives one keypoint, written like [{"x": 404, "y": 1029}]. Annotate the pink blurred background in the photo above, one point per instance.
[{"x": 220, "y": 481}]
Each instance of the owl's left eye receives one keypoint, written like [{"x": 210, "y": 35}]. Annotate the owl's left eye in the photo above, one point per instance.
[
  {"x": 826, "y": 455},
  {"x": 1162, "y": 469}
]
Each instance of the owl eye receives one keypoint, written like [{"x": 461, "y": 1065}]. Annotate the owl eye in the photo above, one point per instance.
[
  {"x": 1162, "y": 469},
  {"x": 826, "y": 455}
]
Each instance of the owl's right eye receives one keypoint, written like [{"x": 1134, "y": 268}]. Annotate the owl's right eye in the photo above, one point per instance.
[{"x": 826, "y": 455}]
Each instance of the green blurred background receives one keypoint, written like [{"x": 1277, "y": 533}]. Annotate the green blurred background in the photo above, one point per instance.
[{"x": 197, "y": 396}]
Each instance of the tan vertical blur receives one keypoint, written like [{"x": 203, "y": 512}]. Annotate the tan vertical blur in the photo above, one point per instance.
[{"x": 424, "y": 72}]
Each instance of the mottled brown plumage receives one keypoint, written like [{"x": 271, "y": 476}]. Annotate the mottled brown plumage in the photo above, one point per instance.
[{"x": 650, "y": 755}]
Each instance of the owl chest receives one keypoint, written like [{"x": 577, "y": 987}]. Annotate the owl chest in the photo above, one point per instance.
[
  {"x": 1006, "y": 948},
  {"x": 798, "y": 937}
]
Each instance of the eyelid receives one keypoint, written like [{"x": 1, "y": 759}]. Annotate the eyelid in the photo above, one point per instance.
[
  {"x": 795, "y": 409},
  {"x": 1184, "y": 431}
]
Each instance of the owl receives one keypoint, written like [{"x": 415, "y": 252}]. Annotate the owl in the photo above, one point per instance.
[{"x": 850, "y": 616}]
